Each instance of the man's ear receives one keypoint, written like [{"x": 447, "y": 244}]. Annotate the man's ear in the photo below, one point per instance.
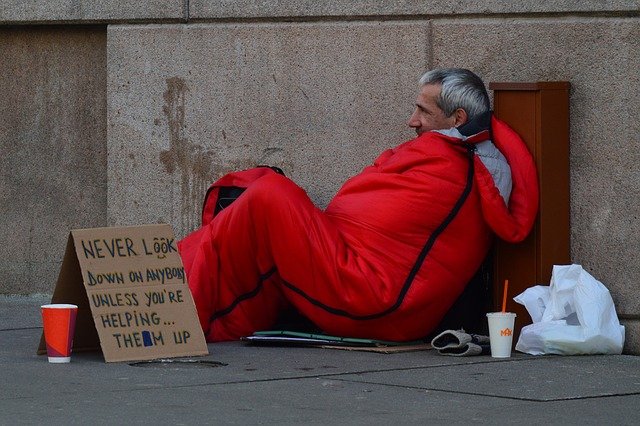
[{"x": 460, "y": 116}]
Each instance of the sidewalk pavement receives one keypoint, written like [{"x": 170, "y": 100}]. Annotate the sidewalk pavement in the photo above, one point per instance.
[{"x": 241, "y": 384}]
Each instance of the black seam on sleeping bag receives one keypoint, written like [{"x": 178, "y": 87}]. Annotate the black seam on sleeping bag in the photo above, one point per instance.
[
  {"x": 405, "y": 288},
  {"x": 261, "y": 279},
  {"x": 416, "y": 266}
]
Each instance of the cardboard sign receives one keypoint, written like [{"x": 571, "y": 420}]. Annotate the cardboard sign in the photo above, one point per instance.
[{"x": 132, "y": 295}]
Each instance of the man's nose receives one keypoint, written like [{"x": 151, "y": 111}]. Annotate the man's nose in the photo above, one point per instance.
[{"x": 413, "y": 120}]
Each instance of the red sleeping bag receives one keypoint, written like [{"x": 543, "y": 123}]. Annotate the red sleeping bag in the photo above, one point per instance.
[{"x": 386, "y": 259}]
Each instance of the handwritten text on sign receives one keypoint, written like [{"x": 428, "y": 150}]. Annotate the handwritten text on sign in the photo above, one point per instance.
[
  {"x": 137, "y": 291},
  {"x": 159, "y": 247}
]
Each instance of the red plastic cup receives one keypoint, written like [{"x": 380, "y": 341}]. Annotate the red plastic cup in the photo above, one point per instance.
[{"x": 59, "y": 327}]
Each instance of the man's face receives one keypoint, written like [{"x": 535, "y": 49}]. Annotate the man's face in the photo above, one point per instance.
[{"x": 428, "y": 115}]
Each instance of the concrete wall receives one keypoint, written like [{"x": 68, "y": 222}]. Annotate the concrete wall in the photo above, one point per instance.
[
  {"x": 190, "y": 102},
  {"x": 197, "y": 88},
  {"x": 52, "y": 134}
]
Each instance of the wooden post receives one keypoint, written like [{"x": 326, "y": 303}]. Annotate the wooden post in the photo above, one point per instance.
[{"x": 539, "y": 112}]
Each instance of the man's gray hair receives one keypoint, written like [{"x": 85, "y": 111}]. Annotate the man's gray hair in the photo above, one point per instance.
[{"x": 460, "y": 89}]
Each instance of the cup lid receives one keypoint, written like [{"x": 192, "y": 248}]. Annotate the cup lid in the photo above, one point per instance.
[{"x": 59, "y": 306}]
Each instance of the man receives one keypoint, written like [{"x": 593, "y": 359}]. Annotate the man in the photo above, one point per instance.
[
  {"x": 452, "y": 98},
  {"x": 393, "y": 249}
]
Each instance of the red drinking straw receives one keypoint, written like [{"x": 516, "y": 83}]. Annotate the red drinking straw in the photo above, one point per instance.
[{"x": 504, "y": 296}]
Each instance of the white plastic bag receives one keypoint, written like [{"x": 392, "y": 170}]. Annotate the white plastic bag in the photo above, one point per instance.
[{"x": 574, "y": 315}]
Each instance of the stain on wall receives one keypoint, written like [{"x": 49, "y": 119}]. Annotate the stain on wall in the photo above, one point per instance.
[{"x": 193, "y": 164}]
